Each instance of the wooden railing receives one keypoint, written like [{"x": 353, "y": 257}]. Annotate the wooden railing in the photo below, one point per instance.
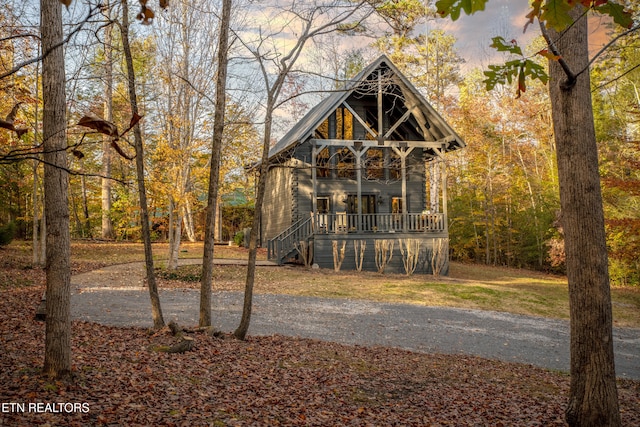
[
  {"x": 341, "y": 223},
  {"x": 384, "y": 223},
  {"x": 281, "y": 245}
]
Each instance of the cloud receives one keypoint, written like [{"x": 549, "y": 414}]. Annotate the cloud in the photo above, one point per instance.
[{"x": 501, "y": 18}]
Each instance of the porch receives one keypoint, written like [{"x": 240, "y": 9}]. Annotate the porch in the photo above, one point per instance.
[{"x": 354, "y": 226}]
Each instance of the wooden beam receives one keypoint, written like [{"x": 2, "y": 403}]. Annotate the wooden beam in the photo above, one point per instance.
[
  {"x": 362, "y": 122},
  {"x": 402, "y": 119},
  {"x": 440, "y": 144}
]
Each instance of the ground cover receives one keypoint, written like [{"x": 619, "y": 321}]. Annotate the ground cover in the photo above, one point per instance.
[
  {"x": 120, "y": 379},
  {"x": 498, "y": 289}
]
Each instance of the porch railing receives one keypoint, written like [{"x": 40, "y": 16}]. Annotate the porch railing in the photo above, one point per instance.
[
  {"x": 284, "y": 243},
  {"x": 281, "y": 245},
  {"x": 386, "y": 223}
]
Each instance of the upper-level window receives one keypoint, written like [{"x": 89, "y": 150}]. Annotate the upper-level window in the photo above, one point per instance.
[
  {"x": 323, "y": 169},
  {"x": 374, "y": 163},
  {"x": 346, "y": 164},
  {"x": 344, "y": 124},
  {"x": 395, "y": 166},
  {"x": 338, "y": 125}
]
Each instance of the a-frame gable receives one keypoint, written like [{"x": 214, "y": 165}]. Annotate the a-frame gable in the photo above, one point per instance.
[{"x": 408, "y": 114}]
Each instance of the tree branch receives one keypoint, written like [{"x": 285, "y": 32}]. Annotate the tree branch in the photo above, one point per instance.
[
  {"x": 571, "y": 77},
  {"x": 607, "y": 46},
  {"x": 21, "y": 65}
]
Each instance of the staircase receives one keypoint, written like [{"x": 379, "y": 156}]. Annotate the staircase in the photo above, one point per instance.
[{"x": 281, "y": 246}]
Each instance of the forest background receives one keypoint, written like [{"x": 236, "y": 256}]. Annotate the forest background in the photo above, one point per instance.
[{"x": 503, "y": 188}]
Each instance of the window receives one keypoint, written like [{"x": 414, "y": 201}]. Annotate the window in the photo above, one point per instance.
[
  {"x": 322, "y": 205},
  {"x": 323, "y": 169},
  {"x": 346, "y": 164},
  {"x": 396, "y": 205},
  {"x": 395, "y": 166},
  {"x": 374, "y": 163},
  {"x": 344, "y": 124}
]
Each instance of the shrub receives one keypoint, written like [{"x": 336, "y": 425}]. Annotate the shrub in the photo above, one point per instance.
[
  {"x": 7, "y": 233},
  {"x": 238, "y": 239}
]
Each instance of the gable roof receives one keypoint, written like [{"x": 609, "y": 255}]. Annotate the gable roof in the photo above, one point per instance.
[{"x": 306, "y": 127}]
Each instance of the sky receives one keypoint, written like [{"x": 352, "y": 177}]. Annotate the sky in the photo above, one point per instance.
[{"x": 505, "y": 18}]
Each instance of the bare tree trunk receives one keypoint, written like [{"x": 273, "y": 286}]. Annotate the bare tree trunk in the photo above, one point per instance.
[
  {"x": 187, "y": 216},
  {"x": 57, "y": 354},
  {"x": 214, "y": 173},
  {"x": 107, "y": 225},
  {"x": 593, "y": 399},
  {"x": 85, "y": 209},
  {"x": 243, "y": 327},
  {"x": 156, "y": 310},
  {"x": 39, "y": 255},
  {"x": 37, "y": 259},
  {"x": 175, "y": 233}
]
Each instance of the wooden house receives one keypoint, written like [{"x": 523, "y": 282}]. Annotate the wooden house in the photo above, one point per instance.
[{"x": 360, "y": 179}]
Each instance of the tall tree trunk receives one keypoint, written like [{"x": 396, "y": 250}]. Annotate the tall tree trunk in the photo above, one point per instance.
[
  {"x": 175, "y": 232},
  {"x": 39, "y": 255},
  {"x": 187, "y": 215},
  {"x": 156, "y": 310},
  {"x": 214, "y": 173},
  {"x": 243, "y": 327},
  {"x": 57, "y": 353},
  {"x": 37, "y": 259},
  {"x": 107, "y": 225},
  {"x": 85, "y": 209},
  {"x": 593, "y": 399}
]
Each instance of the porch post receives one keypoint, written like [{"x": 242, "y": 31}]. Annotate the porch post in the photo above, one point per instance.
[
  {"x": 444, "y": 197},
  {"x": 314, "y": 191},
  {"x": 403, "y": 153},
  {"x": 403, "y": 169},
  {"x": 443, "y": 183},
  {"x": 358, "y": 154}
]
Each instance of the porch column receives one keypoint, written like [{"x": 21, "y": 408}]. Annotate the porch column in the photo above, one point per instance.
[
  {"x": 443, "y": 183},
  {"x": 314, "y": 191},
  {"x": 403, "y": 153},
  {"x": 444, "y": 197}
]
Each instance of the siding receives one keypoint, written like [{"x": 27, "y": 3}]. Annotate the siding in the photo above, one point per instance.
[
  {"x": 323, "y": 252},
  {"x": 337, "y": 189},
  {"x": 278, "y": 202}
]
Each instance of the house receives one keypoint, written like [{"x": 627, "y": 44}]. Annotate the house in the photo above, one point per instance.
[{"x": 358, "y": 180}]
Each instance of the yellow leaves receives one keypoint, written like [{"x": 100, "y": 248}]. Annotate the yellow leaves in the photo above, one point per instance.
[{"x": 549, "y": 55}]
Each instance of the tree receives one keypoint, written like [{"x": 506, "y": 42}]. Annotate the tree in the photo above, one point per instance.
[
  {"x": 57, "y": 356},
  {"x": 275, "y": 66},
  {"x": 214, "y": 174},
  {"x": 107, "y": 224},
  {"x": 593, "y": 396},
  {"x": 156, "y": 309}
]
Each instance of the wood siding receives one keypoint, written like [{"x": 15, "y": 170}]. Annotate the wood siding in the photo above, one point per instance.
[
  {"x": 278, "y": 201},
  {"x": 323, "y": 252}
]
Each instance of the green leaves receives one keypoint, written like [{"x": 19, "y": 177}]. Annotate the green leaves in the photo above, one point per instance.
[
  {"x": 555, "y": 13},
  {"x": 617, "y": 12},
  {"x": 453, "y": 7},
  {"x": 519, "y": 69}
]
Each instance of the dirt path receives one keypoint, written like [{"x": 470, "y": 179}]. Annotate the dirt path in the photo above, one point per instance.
[{"x": 115, "y": 296}]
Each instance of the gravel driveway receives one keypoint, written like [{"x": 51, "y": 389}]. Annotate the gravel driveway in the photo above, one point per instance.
[{"x": 115, "y": 296}]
